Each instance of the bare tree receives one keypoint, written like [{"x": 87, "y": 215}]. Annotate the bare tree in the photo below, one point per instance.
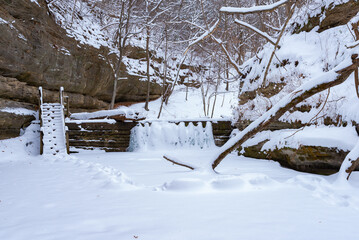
[
  {"x": 260, "y": 9},
  {"x": 152, "y": 13},
  {"x": 122, "y": 35}
]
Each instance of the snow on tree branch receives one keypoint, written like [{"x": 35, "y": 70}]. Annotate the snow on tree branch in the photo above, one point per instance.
[
  {"x": 329, "y": 79},
  {"x": 353, "y": 45},
  {"x": 254, "y": 9},
  {"x": 220, "y": 43},
  {"x": 230, "y": 59},
  {"x": 204, "y": 35},
  {"x": 263, "y": 34}
]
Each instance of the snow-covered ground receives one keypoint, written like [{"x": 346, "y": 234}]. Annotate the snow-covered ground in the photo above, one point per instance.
[
  {"x": 343, "y": 138},
  {"x": 178, "y": 108},
  {"x": 138, "y": 195}
]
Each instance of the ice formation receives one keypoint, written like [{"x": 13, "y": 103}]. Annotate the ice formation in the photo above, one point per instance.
[{"x": 165, "y": 135}]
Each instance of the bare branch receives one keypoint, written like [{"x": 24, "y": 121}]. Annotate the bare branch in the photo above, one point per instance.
[
  {"x": 272, "y": 27},
  {"x": 352, "y": 45},
  {"x": 229, "y": 58},
  {"x": 224, "y": 49},
  {"x": 178, "y": 163},
  {"x": 276, "y": 44},
  {"x": 206, "y": 34},
  {"x": 261, "y": 33},
  {"x": 255, "y": 9}
]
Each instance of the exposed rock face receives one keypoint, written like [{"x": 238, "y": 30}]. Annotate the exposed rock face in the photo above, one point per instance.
[
  {"x": 11, "y": 123},
  {"x": 334, "y": 16},
  {"x": 268, "y": 91},
  {"x": 36, "y": 51},
  {"x": 339, "y": 15},
  {"x": 276, "y": 125},
  {"x": 314, "y": 159},
  {"x": 11, "y": 88}
]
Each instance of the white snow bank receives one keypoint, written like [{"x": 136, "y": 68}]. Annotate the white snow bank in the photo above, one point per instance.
[
  {"x": 112, "y": 121},
  {"x": 185, "y": 184},
  {"x": 19, "y": 111},
  {"x": 343, "y": 138},
  {"x": 125, "y": 111},
  {"x": 21, "y": 148},
  {"x": 192, "y": 108},
  {"x": 91, "y": 194},
  {"x": 244, "y": 183}
]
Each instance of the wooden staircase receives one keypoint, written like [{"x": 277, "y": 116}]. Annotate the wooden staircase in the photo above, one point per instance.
[{"x": 53, "y": 130}]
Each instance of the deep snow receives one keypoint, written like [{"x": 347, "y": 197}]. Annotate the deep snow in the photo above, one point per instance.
[{"x": 138, "y": 195}]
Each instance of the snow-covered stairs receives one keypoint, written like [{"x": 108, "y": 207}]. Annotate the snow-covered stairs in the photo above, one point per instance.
[{"x": 53, "y": 128}]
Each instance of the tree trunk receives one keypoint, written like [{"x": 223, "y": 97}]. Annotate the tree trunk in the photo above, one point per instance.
[
  {"x": 164, "y": 82},
  {"x": 216, "y": 90},
  {"x": 116, "y": 77},
  {"x": 122, "y": 34},
  {"x": 203, "y": 98},
  {"x": 275, "y": 47},
  {"x": 112, "y": 104},
  {"x": 148, "y": 67}
]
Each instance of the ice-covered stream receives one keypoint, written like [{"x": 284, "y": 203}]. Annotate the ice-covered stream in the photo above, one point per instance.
[{"x": 166, "y": 135}]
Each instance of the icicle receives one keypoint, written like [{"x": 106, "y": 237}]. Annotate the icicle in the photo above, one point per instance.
[
  {"x": 208, "y": 131},
  {"x": 164, "y": 135}
]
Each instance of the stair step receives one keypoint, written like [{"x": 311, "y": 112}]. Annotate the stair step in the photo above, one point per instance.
[
  {"x": 52, "y": 119},
  {"x": 49, "y": 108},
  {"x": 44, "y": 113},
  {"x": 53, "y": 128},
  {"x": 51, "y": 112},
  {"x": 51, "y": 104}
]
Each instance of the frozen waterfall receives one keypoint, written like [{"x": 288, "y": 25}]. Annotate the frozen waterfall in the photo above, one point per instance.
[{"x": 166, "y": 135}]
